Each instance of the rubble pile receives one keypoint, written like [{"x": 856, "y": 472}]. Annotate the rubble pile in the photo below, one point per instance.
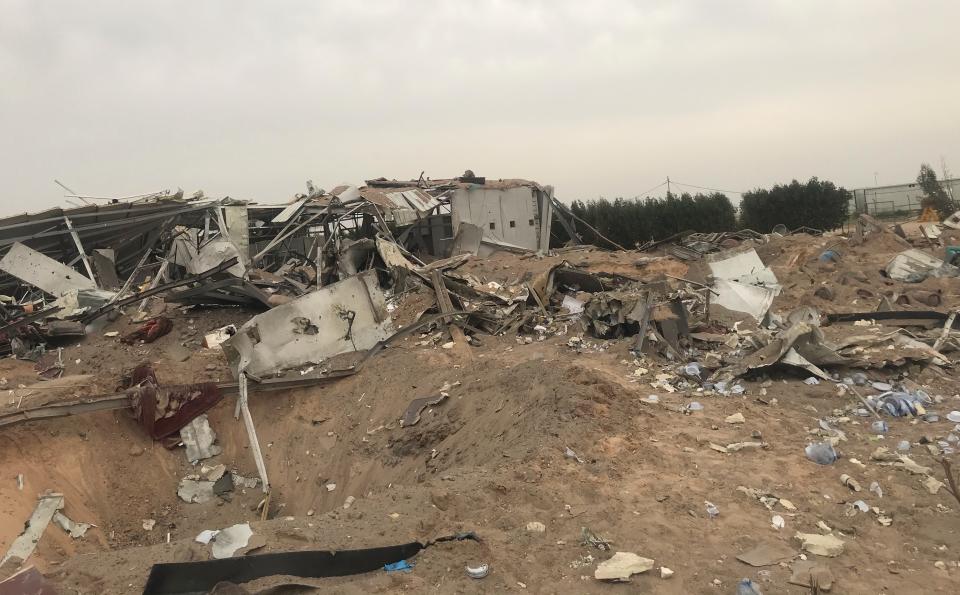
[{"x": 409, "y": 374}]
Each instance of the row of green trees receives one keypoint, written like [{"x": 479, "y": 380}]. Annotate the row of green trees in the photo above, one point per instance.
[
  {"x": 817, "y": 204},
  {"x": 630, "y": 222}
]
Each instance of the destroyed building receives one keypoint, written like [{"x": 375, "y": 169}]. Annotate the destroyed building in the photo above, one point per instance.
[{"x": 405, "y": 383}]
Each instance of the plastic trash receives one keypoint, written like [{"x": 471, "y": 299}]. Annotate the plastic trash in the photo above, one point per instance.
[
  {"x": 876, "y": 489},
  {"x": 862, "y": 506},
  {"x": 479, "y": 571},
  {"x": 901, "y": 404},
  {"x": 879, "y": 427},
  {"x": 882, "y": 386},
  {"x": 954, "y": 416},
  {"x": 777, "y": 522},
  {"x": 692, "y": 369},
  {"x": 821, "y": 453},
  {"x": 748, "y": 587},
  {"x": 572, "y": 454},
  {"x": 652, "y": 399},
  {"x": 813, "y": 380},
  {"x": 829, "y": 256},
  {"x": 903, "y": 445},
  {"x": 737, "y": 389},
  {"x": 859, "y": 378},
  {"x": 401, "y": 566},
  {"x": 694, "y": 406},
  {"x": 712, "y": 509}
]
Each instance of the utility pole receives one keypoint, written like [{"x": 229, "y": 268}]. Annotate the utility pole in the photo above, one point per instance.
[{"x": 668, "y": 186}]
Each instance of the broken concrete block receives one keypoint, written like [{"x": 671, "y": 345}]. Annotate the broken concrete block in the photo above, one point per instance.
[
  {"x": 820, "y": 545},
  {"x": 736, "y": 418},
  {"x": 195, "y": 491},
  {"x": 199, "y": 439},
  {"x": 622, "y": 566}
]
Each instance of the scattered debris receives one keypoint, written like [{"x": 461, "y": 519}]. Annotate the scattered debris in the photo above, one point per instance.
[
  {"x": 47, "y": 507},
  {"x": 227, "y": 541},
  {"x": 479, "y": 571},
  {"x": 198, "y": 437},
  {"x": 622, "y": 566},
  {"x": 76, "y": 530},
  {"x": 767, "y": 554},
  {"x": 412, "y": 415},
  {"x": 820, "y": 545}
]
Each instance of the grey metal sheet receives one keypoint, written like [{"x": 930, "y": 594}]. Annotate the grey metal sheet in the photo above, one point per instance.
[{"x": 38, "y": 270}]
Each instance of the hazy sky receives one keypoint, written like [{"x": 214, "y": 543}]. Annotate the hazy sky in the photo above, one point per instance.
[{"x": 250, "y": 99}]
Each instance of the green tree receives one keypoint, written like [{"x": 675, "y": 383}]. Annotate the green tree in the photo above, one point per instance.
[
  {"x": 636, "y": 221},
  {"x": 817, "y": 204},
  {"x": 934, "y": 195}
]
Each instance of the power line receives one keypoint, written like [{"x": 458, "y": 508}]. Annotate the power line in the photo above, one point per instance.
[
  {"x": 705, "y": 188},
  {"x": 654, "y": 188}
]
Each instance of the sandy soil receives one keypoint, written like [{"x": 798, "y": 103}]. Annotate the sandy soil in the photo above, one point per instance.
[{"x": 491, "y": 459}]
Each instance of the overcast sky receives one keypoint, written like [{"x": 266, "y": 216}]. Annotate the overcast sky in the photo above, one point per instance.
[{"x": 601, "y": 98}]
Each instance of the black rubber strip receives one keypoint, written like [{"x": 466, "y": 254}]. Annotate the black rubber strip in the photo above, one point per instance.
[{"x": 198, "y": 578}]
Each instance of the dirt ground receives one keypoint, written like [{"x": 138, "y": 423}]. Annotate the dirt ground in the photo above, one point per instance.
[{"x": 491, "y": 458}]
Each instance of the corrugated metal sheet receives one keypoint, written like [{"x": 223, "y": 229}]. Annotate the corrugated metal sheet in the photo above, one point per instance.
[{"x": 290, "y": 211}]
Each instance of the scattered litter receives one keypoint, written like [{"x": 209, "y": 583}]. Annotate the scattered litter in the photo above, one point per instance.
[
  {"x": 876, "y": 489},
  {"x": 712, "y": 510},
  {"x": 861, "y": 506},
  {"x": 571, "y": 454},
  {"x": 76, "y": 530},
  {"x": 206, "y": 535},
  {"x": 478, "y": 572},
  {"x": 590, "y": 539},
  {"x": 665, "y": 572},
  {"x": 778, "y": 522},
  {"x": 850, "y": 482},
  {"x": 412, "y": 415},
  {"x": 401, "y": 566},
  {"x": 536, "y": 527},
  {"x": 214, "y": 338},
  {"x": 148, "y": 524},
  {"x": 748, "y": 587},
  {"x": 192, "y": 490},
  {"x": 821, "y": 453},
  {"x": 227, "y": 541}
]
